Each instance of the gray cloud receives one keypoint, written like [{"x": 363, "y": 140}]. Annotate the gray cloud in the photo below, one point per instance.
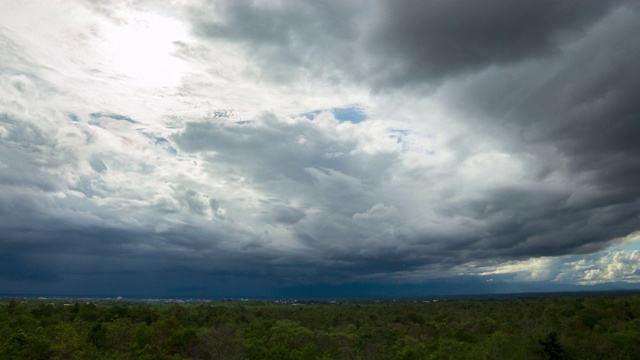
[
  {"x": 272, "y": 149},
  {"x": 286, "y": 38},
  {"x": 433, "y": 40},
  {"x": 576, "y": 112},
  {"x": 394, "y": 44}
]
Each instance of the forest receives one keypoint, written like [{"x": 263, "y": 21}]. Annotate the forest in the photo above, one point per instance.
[{"x": 598, "y": 327}]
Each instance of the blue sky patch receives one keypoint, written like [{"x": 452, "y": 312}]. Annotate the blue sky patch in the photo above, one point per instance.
[
  {"x": 97, "y": 115},
  {"x": 161, "y": 141},
  {"x": 351, "y": 114}
]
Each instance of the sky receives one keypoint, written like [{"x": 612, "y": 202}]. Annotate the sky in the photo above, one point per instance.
[{"x": 290, "y": 148}]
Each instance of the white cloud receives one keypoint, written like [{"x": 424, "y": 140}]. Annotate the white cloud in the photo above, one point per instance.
[
  {"x": 613, "y": 266},
  {"x": 536, "y": 269},
  {"x": 601, "y": 267}
]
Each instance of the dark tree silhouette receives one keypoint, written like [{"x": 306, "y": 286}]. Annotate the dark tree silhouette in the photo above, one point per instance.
[{"x": 551, "y": 348}]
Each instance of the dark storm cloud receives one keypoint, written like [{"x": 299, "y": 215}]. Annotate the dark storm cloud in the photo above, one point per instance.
[
  {"x": 577, "y": 113},
  {"x": 396, "y": 43},
  {"x": 550, "y": 230},
  {"x": 41, "y": 247},
  {"x": 431, "y": 40},
  {"x": 589, "y": 111}
]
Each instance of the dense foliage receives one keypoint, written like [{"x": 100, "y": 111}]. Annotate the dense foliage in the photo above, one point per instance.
[{"x": 560, "y": 328}]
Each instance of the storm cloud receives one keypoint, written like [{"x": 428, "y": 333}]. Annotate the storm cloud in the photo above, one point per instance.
[{"x": 216, "y": 148}]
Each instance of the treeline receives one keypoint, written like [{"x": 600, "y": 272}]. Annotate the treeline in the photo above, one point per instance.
[{"x": 563, "y": 328}]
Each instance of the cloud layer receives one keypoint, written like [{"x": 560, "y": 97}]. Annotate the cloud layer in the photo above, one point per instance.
[{"x": 214, "y": 147}]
